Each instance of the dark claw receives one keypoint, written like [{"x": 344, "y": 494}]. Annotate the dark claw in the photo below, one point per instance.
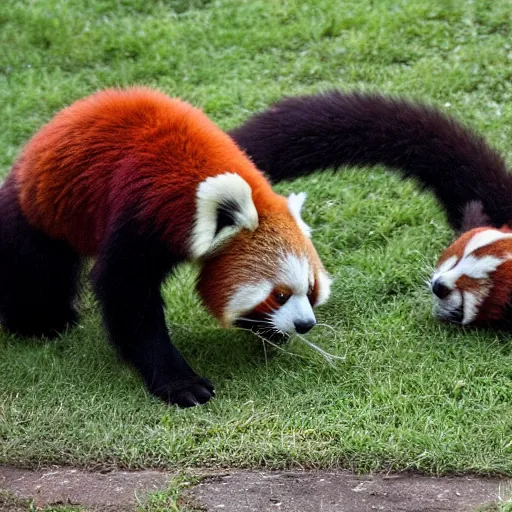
[{"x": 189, "y": 393}]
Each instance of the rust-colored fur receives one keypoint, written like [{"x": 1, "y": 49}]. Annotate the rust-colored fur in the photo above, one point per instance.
[{"x": 119, "y": 147}]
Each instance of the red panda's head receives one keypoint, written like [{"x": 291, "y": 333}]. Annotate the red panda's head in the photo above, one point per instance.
[
  {"x": 260, "y": 270},
  {"x": 472, "y": 281}
]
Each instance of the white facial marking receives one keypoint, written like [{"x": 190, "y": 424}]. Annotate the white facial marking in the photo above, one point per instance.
[
  {"x": 470, "y": 308},
  {"x": 324, "y": 288},
  {"x": 295, "y": 204},
  {"x": 296, "y": 310},
  {"x": 211, "y": 193},
  {"x": 445, "y": 266},
  {"x": 245, "y": 299},
  {"x": 475, "y": 268},
  {"x": 484, "y": 238},
  {"x": 295, "y": 272}
]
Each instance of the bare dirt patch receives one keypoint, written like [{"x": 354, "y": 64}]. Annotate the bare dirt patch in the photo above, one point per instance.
[
  {"x": 110, "y": 492},
  {"x": 258, "y": 491}
]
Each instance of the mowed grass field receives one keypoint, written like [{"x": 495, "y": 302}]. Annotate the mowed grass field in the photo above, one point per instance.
[{"x": 409, "y": 393}]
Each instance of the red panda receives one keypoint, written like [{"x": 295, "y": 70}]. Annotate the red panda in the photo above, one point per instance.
[
  {"x": 143, "y": 182},
  {"x": 472, "y": 281}
]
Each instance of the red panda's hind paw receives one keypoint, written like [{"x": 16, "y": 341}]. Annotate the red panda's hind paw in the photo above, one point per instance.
[{"x": 186, "y": 393}]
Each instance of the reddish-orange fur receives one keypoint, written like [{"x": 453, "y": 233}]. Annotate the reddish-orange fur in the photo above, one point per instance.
[
  {"x": 119, "y": 147},
  {"x": 499, "y": 296}
]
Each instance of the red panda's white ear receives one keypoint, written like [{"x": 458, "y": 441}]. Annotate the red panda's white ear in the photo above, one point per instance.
[
  {"x": 224, "y": 206},
  {"x": 295, "y": 204}
]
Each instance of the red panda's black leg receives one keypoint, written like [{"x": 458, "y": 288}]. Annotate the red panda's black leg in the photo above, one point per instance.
[
  {"x": 127, "y": 279},
  {"x": 38, "y": 275}
]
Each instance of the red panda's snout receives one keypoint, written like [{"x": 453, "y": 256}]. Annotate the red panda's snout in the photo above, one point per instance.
[
  {"x": 472, "y": 281},
  {"x": 267, "y": 281}
]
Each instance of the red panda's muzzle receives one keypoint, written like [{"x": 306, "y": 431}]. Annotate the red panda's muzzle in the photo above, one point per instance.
[{"x": 472, "y": 283}]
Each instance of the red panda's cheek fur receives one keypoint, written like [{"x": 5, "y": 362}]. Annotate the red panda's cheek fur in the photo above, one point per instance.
[
  {"x": 213, "y": 289},
  {"x": 468, "y": 284},
  {"x": 499, "y": 295}
]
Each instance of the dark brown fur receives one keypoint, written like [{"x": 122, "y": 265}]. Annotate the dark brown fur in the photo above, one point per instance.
[{"x": 300, "y": 135}]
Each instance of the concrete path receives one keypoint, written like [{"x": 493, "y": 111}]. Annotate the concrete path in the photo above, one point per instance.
[
  {"x": 258, "y": 491},
  {"x": 322, "y": 491}
]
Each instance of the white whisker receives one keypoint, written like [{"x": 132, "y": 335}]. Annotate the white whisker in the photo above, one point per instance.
[
  {"x": 328, "y": 357},
  {"x": 264, "y": 340},
  {"x": 330, "y": 327},
  {"x": 254, "y": 321},
  {"x": 265, "y": 352}
]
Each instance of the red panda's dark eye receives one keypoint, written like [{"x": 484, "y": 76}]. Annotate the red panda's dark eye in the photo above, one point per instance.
[
  {"x": 281, "y": 296},
  {"x": 312, "y": 295}
]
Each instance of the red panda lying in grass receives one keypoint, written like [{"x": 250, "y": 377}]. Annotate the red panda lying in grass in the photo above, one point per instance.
[
  {"x": 143, "y": 182},
  {"x": 472, "y": 282}
]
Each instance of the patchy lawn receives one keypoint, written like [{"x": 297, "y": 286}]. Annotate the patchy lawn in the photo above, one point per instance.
[{"x": 410, "y": 392}]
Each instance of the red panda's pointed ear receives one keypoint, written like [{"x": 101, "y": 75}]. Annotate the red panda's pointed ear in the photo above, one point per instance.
[
  {"x": 474, "y": 216},
  {"x": 224, "y": 206},
  {"x": 295, "y": 204}
]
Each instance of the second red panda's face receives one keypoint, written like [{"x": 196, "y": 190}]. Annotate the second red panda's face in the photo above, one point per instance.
[
  {"x": 472, "y": 281},
  {"x": 267, "y": 276}
]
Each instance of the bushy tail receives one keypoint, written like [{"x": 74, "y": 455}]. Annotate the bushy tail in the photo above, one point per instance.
[{"x": 300, "y": 135}]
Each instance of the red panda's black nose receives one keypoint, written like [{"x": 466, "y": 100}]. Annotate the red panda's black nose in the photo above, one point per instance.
[
  {"x": 440, "y": 290},
  {"x": 303, "y": 327}
]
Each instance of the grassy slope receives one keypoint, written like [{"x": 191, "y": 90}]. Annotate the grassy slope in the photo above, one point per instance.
[{"x": 411, "y": 393}]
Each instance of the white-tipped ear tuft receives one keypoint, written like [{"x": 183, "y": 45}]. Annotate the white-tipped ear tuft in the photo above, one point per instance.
[
  {"x": 324, "y": 287},
  {"x": 295, "y": 204},
  {"x": 224, "y": 207}
]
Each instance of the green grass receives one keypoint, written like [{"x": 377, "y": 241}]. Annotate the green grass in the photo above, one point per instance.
[
  {"x": 411, "y": 393},
  {"x": 496, "y": 507},
  {"x": 172, "y": 499},
  {"x": 504, "y": 504}
]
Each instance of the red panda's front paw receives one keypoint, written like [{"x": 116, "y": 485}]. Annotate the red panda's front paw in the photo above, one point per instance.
[{"x": 185, "y": 393}]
